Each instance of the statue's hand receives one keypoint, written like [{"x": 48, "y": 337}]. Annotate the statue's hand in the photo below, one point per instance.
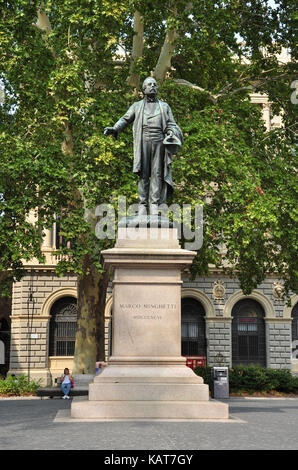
[
  {"x": 110, "y": 131},
  {"x": 170, "y": 133}
]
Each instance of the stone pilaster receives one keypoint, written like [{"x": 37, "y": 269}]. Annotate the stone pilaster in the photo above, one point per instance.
[
  {"x": 219, "y": 341},
  {"x": 278, "y": 343}
]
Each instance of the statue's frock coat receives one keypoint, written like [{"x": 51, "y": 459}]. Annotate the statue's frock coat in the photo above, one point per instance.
[{"x": 135, "y": 114}]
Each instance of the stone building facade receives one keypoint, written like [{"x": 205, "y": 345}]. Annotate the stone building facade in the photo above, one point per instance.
[
  {"x": 33, "y": 298},
  {"x": 214, "y": 298},
  {"x": 219, "y": 307}
]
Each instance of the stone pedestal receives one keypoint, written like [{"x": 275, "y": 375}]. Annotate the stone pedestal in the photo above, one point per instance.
[{"x": 146, "y": 376}]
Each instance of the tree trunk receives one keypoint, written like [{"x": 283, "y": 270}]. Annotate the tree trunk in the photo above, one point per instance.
[
  {"x": 168, "y": 48},
  {"x": 90, "y": 344},
  {"x": 137, "y": 50},
  {"x": 167, "y": 51}
]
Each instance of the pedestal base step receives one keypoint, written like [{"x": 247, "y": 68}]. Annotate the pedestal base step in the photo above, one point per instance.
[
  {"x": 148, "y": 392},
  {"x": 150, "y": 410}
]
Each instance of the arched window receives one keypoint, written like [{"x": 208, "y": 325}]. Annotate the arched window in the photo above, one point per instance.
[
  {"x": 63, "y": 325},
  {"x": 193, "y": 328},
  {"x": 5, "y": 345},
  {"x": 248, "y": 333},
  {"x": 294, "y": 316},
  {"x": 2, "y": 352}
]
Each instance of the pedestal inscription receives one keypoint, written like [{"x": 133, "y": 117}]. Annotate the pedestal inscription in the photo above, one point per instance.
[{"x": 145, "y": 328}]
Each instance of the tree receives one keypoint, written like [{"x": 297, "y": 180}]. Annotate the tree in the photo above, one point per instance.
[{"x": 70, "y": 68}]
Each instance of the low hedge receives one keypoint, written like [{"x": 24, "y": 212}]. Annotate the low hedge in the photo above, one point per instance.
[
  {"x": 255, "y": 379},
  {"x": 18, "y": 385},
  {"x": 205, "y": 373}
]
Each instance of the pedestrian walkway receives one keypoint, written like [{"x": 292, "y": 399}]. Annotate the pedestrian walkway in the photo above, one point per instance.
[{"x": 256, "y": 424}]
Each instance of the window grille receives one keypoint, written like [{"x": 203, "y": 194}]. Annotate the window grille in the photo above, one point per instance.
[
  {"x": 192, "y": 328},
  {"x": 63, "y": 327},
  {"x": 295, "y": 323},
  {"x": 5, "y": 338},
  {"x": 294, "y": 330},
  {"x": 248, "y": 333}
]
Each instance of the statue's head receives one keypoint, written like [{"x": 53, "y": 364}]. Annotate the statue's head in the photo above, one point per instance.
[{"x": 150, "y": 86}]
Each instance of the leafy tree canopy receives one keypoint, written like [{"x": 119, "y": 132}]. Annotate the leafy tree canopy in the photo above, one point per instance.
[{"x": 70, "y": 68}]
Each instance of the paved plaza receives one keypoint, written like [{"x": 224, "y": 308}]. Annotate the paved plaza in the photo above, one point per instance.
[{"x": 256, "y": 424}]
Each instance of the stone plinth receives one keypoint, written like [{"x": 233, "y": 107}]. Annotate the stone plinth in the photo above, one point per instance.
[{"x": 146, "y": 376}]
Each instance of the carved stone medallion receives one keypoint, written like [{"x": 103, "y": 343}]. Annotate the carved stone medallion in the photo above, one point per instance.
[{"x": 218, "y": 290}]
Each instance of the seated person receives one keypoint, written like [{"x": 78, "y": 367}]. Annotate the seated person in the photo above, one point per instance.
[{"x": 66, "y": 380}]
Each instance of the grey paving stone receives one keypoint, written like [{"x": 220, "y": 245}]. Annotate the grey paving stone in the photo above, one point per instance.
[{"x": 264, "y": 424}]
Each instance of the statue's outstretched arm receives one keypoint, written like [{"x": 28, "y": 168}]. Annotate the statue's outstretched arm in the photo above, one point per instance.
[{"x": 122, "y": 123}]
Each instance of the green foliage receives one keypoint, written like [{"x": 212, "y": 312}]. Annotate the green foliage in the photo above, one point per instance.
[
  {"x": 18, "y": 385},
  {"x": 63, "y": 86},
  {"x": 253, "y": 378},
  {"x": 205, "y": 373}
]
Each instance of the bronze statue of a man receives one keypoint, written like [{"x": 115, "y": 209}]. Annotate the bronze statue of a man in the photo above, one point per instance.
[{"x": 157, "y": 138}]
